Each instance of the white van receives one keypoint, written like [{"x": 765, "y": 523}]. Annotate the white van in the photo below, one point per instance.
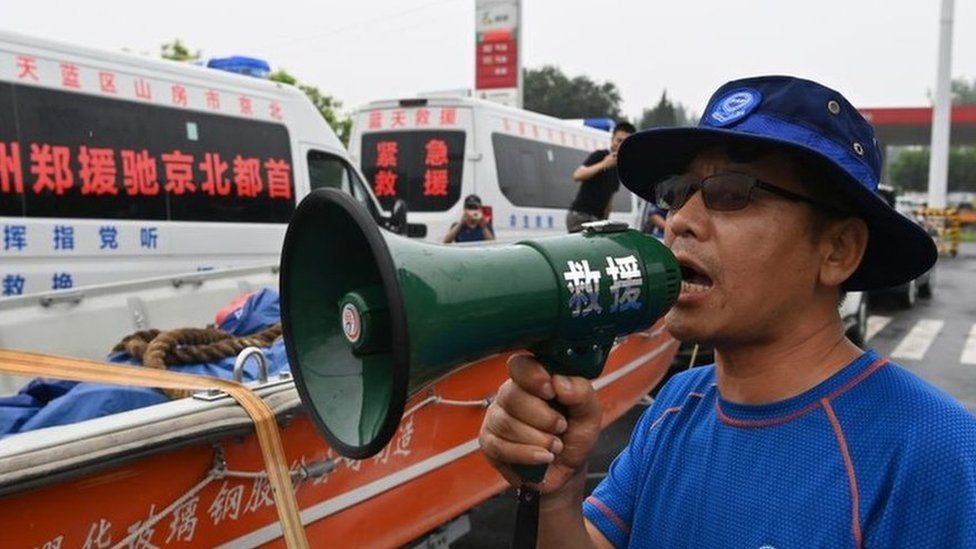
[
  {"x": 116, "y": 167},
  {"x": 432, "y": 152}
]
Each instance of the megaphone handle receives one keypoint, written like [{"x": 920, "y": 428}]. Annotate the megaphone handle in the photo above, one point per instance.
[
  {"x": 536, "y": 473},
  {"x": 527, "y": 512},
  {"x": 526, "y": 519},
  {"x": 566, "y": 358},
  {"x": 558, "y": 357}
]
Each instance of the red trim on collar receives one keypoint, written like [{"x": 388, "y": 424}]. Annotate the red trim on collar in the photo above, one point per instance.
[{"x": 771, "y": 422}]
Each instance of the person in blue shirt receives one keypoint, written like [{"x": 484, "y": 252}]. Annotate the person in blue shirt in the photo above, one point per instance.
[
  {"x": 653, "y": 219},
  {"x": 795, "y": 437},
  {"x": 474, "y": 225}
]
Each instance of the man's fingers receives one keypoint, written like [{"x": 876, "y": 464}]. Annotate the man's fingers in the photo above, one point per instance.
[
  {"x": 508, "y": 428},
  {"x": 505, "y": 451},
  {"x": 584, "y": 413},
  {"x": 531, "y": 376},
  {"x": 530, "y": 409},
  {"x": 521, "y": 428},
  {"x": 577, "y": 394}
]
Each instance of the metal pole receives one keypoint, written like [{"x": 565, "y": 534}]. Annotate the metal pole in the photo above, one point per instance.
[
  {"x": 519, "y": 48},
  {"x": 939, "y": 159}
]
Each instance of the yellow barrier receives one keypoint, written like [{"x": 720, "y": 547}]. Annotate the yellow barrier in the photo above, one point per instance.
[{"x": 946, "y": 223}]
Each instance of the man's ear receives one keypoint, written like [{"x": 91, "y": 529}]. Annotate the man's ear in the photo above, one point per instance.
[{"x": 842, "y": 246}]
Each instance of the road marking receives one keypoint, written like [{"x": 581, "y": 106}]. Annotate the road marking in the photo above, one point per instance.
[
  {"x": 969, "y": 349},
  {"x": 918, "y": 340},
  {"x": 875, "y": 325}
]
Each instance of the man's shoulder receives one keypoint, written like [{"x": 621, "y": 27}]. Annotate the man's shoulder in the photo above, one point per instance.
[
  {"x": 923, "y": 417},
  {"x": 916, "y": 396},
  {"x": 926, "y": 435}
]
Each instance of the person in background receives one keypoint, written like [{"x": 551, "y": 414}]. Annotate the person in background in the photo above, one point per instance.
[
  {"x": 474, "y": 225},
  {"x": 652, "y": 220},
  {"x": 598, "y": 182}
]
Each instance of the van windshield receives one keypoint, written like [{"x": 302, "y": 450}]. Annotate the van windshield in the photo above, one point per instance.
[
  {"x": 422, "y": 167},
  {"x": 329, "y": 171}
]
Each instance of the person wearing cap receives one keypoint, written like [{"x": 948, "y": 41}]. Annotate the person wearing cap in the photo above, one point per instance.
[
  {"x": 598, "y": 182},
  {"x": 474, "y": 225},
  {"x": 795, "y": 437}
]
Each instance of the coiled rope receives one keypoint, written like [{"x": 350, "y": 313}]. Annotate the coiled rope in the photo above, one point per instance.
[{"x": 159, "y": 349}]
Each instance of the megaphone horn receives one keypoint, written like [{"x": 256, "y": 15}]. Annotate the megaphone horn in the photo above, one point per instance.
[{"x": 370, "y": 317}]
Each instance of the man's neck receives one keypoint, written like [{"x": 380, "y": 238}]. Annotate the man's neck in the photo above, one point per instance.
[{"x": 760, "y": 373}]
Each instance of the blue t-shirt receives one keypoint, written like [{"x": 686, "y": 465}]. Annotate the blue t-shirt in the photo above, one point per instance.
[
  {"x": 871, "y": 457},
  {"x": 650, "y": 208},
  {"x": 470, "y": 234}
]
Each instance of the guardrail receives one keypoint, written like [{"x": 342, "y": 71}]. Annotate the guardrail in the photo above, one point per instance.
[{"x": 945, "y": 222}]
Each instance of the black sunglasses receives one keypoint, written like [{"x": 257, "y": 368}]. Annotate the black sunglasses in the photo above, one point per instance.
[{"x": 724, "y": 192}]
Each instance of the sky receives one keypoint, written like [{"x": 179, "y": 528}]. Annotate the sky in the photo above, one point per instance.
[{"x": 876, "y": 52}]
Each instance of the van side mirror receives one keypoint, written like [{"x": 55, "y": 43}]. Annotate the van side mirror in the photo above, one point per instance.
[
  {"x": 397, "y": 222},
  {"x": 416, "y": 230},
  {"x": 398, "y": 217}
]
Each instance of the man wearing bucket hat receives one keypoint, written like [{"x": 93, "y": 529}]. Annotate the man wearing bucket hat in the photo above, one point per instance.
[{"x": 794, "y": 437}]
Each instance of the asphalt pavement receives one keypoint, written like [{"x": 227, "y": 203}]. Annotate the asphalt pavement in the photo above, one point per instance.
[{"x": 936, "y": 339}]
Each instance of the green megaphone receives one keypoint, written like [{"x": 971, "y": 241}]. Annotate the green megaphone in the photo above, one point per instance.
[{"x": 369, "y": 317}]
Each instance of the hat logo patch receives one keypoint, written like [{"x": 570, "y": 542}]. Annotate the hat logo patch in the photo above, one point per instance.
[{"x": 734, "y": 106}]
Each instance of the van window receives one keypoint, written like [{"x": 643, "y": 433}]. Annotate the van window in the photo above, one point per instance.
[
  {"x": 83, "y": 156},
  {"x": 540, "y": 175},
  {"x": 422, "y": 167},
  {"x": 329, "y": 171}
]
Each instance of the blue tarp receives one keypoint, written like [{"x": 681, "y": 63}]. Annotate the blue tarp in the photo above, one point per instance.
[{"x": 47, "y": 402}]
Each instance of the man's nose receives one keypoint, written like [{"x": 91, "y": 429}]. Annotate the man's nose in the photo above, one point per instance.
[{"x": 691, "y": 219}]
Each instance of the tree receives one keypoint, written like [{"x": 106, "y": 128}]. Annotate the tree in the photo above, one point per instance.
[
  {"x": 548, "y": 91},
  {"x": 177, "y": 51},
  {"x": 327, "y": 105},
  {"x": 665, "y": 113},
  {"x": 910, "y": 170},
  {"x": 962, "y": 169},
  {"x": 963, "y": 91}
]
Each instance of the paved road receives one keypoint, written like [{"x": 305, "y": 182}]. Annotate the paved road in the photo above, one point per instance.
[{"x": 936, "y": 339}]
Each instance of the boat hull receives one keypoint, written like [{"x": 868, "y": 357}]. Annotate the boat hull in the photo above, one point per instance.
[{"x": 431, "y": 472}]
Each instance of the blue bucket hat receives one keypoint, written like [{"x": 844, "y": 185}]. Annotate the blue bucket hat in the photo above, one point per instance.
[{"x": 808, "y": 120}]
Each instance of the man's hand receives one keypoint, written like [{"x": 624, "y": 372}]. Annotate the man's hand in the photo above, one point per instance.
[
  {"x": 521, "y": 428},
  {"x": 609, "y": 161}
]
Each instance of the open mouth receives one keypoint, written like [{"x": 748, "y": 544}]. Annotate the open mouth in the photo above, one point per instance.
[{"x": 693, "y": 280}]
